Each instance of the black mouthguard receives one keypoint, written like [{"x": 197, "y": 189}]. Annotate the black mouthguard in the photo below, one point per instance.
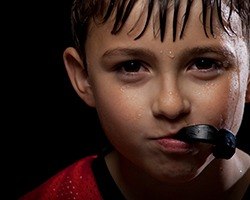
[{"x": 223, "y": 140}]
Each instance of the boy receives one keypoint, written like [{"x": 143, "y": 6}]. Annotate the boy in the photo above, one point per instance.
[{"x": 151, "y": 69}]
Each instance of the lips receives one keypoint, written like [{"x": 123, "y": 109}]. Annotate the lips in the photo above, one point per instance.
[{"x": 172, "y": 145}]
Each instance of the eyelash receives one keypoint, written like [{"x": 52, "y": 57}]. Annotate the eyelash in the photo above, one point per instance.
[
  {"x": 208, "y": 64},
  {"x": 202, "y": 68},
  {"x": 131, "y": 67}
]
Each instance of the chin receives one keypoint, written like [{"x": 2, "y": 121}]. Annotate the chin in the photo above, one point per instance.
[
  {"x": 184, "y": 171},
  {"x": 177, "y": 176}
]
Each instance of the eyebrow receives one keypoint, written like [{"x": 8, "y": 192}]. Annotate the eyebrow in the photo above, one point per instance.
[
  {"x": 222, "y": 51},
  {"x": 136, "y": 52}
]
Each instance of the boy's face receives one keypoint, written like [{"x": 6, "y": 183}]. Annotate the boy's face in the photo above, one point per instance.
[{"x": 146, "y": 90}]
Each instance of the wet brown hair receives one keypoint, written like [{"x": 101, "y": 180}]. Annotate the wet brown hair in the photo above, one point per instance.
[{"x": 84, "y": 12}]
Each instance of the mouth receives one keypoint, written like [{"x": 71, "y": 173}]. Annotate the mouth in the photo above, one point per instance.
[
  {"x": 170, "y": 144},
  {"x": 223, "y": 140}
]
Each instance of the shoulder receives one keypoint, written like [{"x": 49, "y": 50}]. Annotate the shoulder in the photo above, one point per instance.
[{"x": 74, "y": 182}]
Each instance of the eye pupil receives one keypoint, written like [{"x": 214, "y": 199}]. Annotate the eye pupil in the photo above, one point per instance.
[
  {"x": 132, "y": 66},
  {"x": 205, "y": 64}
]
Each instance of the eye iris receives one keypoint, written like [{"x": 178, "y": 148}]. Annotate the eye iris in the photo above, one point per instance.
[
  {"x": 204, "y": 64},
  {"x": 132, "y": 66}
]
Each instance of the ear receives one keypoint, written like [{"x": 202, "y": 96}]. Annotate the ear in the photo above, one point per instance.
[
  {"x": 78, "y": 75},
  {"x": 248, "y": 90}
]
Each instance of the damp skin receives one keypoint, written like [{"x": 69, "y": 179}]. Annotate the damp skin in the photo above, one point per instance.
[
  {"x": 164, "y": 93},
  {"x": 164, "y": 87},
  {"x": 170, "y": 94}
]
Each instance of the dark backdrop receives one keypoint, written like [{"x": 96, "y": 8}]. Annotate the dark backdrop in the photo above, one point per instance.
[{"x": 52, "y": 127}]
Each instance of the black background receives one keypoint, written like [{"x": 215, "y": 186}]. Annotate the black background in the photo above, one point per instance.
[{"x": 52, "y": 127}]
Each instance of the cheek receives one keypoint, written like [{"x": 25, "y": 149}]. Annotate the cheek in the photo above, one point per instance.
[
  {"x": 237, "y": 99},
  {"x": 120, "y": 104},
  {"x": 120, "y": 111},
  {"x": 221, "y": 103}
]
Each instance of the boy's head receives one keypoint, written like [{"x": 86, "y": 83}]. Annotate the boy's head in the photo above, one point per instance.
[
  {"x": 151, "y": 68},
  {"x": 92, "y": 11}
]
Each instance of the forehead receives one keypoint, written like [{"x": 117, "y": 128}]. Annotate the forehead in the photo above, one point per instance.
[
  {"x": 102, "y": 35},
  {"x": 173, "y": 15}
]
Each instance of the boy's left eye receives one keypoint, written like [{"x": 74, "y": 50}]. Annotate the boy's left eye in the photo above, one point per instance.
[
  {"x": 207, "y": 68},
  {"x": 206, "y": 64}
]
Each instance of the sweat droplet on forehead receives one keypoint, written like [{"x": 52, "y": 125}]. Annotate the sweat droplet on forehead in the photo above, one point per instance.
[{"x": 169, "y": 53}]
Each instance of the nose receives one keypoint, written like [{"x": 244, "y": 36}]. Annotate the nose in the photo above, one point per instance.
[{"x": 170, "y": 101}]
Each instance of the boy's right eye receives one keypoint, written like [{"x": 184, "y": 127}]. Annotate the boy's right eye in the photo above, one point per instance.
[
  {"x": 132, "y": 70},
  {"x": 131, "y": 66}
]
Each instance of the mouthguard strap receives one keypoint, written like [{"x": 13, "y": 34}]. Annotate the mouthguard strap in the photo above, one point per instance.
[{"x": 223, "y": 140}]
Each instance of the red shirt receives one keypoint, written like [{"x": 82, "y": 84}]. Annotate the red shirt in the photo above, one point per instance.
[
  {"x": 80, "y": 182},
  {"x": 76, "y": 182}
]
